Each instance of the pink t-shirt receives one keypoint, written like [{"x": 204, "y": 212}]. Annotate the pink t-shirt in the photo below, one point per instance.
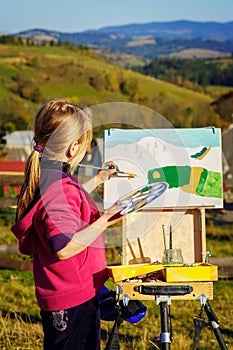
[{"x": 62, "y": 209}]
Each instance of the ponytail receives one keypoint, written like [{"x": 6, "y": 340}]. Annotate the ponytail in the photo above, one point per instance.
[{"x": 31, "y": 182}]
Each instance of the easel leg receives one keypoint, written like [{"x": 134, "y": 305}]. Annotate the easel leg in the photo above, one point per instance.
[
  {"x": 213, "y": 320},
  {"x": 165, "y": 337}
]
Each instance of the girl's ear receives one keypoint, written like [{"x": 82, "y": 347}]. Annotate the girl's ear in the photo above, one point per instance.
[{"x": 73, "y": 149}]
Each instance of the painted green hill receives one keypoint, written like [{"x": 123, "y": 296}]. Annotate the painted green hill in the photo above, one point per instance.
[{"x": 31, "y": 75}]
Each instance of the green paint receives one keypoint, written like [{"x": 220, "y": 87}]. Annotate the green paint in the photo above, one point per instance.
[
  {"x": 174, "y": 176},
  {"x": 197, "y": 155},
  {"x": 211, "y": 185},
  {"x": 145, "y": 189},
  {"x": 202, "y": 182}
]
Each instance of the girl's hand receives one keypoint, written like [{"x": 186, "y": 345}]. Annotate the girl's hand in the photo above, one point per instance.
[
  {"x": 102, "y": 176},
  {"x": 105, "y": 174},
  {"x": 111, "y": 215}
]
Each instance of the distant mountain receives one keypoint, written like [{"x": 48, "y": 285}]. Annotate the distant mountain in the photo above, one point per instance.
[
  {"x": 176, "y": 29},
  {"x": 149, "y": 40}
]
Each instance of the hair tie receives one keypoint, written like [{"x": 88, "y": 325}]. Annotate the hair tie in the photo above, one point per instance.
[{"x": 38, "y": 148}]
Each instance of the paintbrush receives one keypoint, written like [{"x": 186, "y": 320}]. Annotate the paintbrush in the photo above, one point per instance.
[
  {"x": 117, "y": 173},
  {"x": 170, "y": 242},
  {"x": 142, "y": 259},
  {"x": 165, "y": 246},
  {"x": 164, "y": 239}
]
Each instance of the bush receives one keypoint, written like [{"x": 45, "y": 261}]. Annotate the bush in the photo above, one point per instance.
[{"x": 7, "y": 216}]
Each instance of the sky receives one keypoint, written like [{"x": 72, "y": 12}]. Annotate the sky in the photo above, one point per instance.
[{"x": 72, "y": 16}]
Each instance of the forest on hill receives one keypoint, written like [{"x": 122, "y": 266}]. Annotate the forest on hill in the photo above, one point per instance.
[
  {"x": 32, "y": 74},
  {"x": 202, "y": 72}
]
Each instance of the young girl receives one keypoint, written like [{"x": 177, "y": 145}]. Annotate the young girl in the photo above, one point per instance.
[{"x": 59, "y": 225}]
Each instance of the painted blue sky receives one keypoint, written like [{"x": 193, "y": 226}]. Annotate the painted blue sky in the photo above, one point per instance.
[
  {"x": 75, "y": 16},
  {"x": 189, "y": 138}
]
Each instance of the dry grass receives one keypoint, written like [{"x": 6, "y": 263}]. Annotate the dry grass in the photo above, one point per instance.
[
  {"x": 19, "y": 334},
  {"x": 20, "y": 324},
  {"x": 21, "y": 331}
]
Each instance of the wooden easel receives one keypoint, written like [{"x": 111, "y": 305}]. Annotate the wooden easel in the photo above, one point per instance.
[{"x": 191, "y": 228}]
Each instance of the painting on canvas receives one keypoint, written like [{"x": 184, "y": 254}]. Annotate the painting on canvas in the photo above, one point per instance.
[{"x": 189, "y": 161}]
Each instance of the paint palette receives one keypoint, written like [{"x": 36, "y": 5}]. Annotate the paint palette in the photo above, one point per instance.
[{"x": 142, "y": 196}]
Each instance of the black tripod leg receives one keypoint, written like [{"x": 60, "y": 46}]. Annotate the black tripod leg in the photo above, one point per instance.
[
  {"x": 199, "y": 323},
  {"x": 165, "y": 338},
  {"x": 114, "y": 341},
  {"x": 213, "y": 320}
]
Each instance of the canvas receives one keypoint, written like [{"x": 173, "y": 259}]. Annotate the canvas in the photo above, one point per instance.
[{"x": 188, "y": 160}]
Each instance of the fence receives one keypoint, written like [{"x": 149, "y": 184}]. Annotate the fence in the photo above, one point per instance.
[{"x": 9, "y": 254}]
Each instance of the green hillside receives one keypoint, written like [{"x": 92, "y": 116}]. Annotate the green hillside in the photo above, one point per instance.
[{"x": 31, "y": 75}]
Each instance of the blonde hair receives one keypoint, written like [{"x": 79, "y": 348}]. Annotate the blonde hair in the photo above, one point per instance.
[{"x": 57, "y": 125}]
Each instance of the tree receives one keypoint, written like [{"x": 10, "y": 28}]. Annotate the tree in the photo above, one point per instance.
[
  {"x": 112, "y": 82},
  {"x": 36, "y": 95},
  {"x": 98, "y": 82},
  {"x": 188, "y": 117},
  {"x": 129, "y": 86},
  {"x": 13, "y": 114}
]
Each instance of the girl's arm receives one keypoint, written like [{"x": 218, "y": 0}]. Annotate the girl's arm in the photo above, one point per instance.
[
  {"x": 101, "y": 177},
  {"x": 82, "y": 239}
]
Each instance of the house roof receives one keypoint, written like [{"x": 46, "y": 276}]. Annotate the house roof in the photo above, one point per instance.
[
  {"x": 12, "y": 167},
  {"x": 19, "y": 138},
  {"x": 18, "y": 145}
]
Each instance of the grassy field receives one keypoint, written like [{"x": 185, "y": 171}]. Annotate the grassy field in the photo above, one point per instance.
[
  {"x": 60, "y": 72},
  {"x": 20, "y": 317}
]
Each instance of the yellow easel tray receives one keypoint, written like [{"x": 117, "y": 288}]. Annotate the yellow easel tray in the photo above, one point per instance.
[
  {"x": 201, "y": 272},
  {"x": 123, "y": 272},
  {"x": 167, "y": 273}
]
